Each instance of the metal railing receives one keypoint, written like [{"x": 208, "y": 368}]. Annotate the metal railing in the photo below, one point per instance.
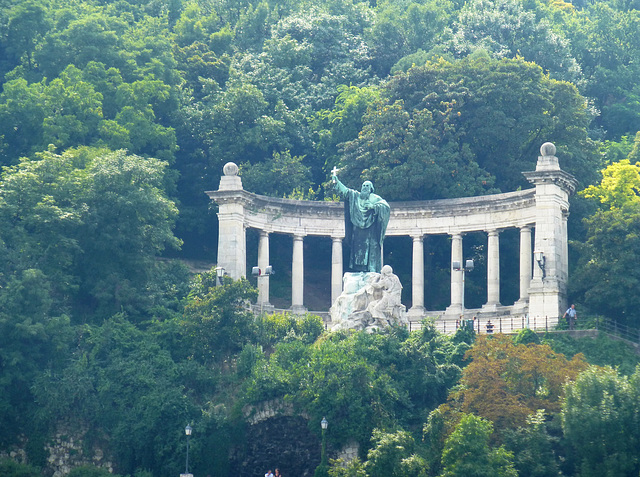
[
  {"x": 613, "y": 328},
  {"x": 506, "y": 324}
]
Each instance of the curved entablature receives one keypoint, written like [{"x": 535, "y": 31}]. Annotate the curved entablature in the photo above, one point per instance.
[
  {"x": 468, "y": 214},
  {"x": 443, "y": 216}
]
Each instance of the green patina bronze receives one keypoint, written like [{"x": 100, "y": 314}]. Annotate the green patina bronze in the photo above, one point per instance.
[{"x": 366, "y": 219}]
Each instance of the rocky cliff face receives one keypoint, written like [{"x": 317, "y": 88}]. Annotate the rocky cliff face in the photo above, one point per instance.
[{"x": 281, "y": 441}]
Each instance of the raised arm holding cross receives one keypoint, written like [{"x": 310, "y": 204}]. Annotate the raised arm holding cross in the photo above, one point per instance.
[{"x": 366, "y": 218}]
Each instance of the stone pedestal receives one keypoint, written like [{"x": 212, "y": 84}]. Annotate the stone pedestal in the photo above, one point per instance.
[{"x": 369, "y": 301}]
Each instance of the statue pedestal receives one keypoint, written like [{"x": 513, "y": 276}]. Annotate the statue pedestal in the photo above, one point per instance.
[{"x": 369, "y": 301}]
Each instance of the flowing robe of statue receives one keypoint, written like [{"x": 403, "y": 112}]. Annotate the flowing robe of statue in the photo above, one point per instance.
[{"x": 366, "y": 219}]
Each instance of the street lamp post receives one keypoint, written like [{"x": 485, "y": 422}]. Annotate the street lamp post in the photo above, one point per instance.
[
  {"x": 187, "y": 431},
  {"x": 324, "y": 424}
]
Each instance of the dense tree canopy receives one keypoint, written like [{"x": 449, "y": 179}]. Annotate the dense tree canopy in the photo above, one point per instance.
[
  {"x": 604, "y": 279},
  {"x": 601, "y": 422},
  {"x": 116, "y": 116},
  {"x": 103, "y": 216}
]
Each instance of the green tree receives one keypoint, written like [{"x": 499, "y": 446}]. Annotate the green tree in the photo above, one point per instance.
[
  {"x": 413, "y": 155},
  {"x": 353, "y": 468},
  {"x": 393, "y": 454},
  {"x": 216, "y": 320},
  {"x": 93, "y": 222},
  {"x": 68, "y": 112},
  {"x": 277, "y": 177},
  {"x": 194, "y": 25},
  {"x": 10, "y": 468},
  {"x": 404, "y": 27},
  {"x": 33, "y": 340},
  {"x": 343, "y": 122},
  {"x": 507, "y": 29},
  {"x": 604, "y": 42},
  {"x": 27, "y": 23},
  {"x": 360, "y": 381},
  {"x": 477, "y": 128},
  {"x": 125, "y": 386},
  {"x": 467, "y": 452},
  {"x": 601, "y": 423},
  {"x": 532, "y": 447},
  {"x": 83, "y": 35},
  {"x": 89, "y": 471},
  {"x": 603, "y": 279}
]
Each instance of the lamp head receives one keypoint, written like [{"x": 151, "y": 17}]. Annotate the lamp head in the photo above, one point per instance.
[{"x": 324, "y": 423}]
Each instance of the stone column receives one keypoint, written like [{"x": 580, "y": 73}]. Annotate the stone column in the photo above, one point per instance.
[
  {"x": 336, "y": 268},
  {"x": 493, "y": 269},
  {"x": 417, "y": 277},
  {"x": 457, "y": 290},
  {"x": 565, "y": 247},
  {"x": 297, "y": 275},
  {"x": 263, "y": 263},
  {"x": 525, "y": 262}
]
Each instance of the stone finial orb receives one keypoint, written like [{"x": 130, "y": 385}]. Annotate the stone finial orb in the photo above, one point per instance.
[
  {"x": 230, "y": 169},
  {"x": 547, "y": 149}
]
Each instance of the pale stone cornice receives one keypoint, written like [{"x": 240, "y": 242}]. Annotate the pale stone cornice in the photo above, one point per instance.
[
  {"x": 562, "y": 179},
  {"x": 440, "y": 216}
]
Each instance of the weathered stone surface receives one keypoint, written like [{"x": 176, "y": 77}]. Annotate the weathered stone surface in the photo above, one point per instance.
[
  {"x": 349, "y": 452},
  {"x": 369, "y": 301},
  {"x": 67, "y": 449},
  {"x": 280, "y": 441}
]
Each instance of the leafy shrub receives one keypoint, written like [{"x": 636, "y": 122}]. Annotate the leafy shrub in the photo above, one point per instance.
[
  {"x": 11, "y": 468},
  {"x": 90, "y": 471},
  {"x": 278, "y": 326},
  {"x": 526, "y": 336},
  {"x": 601, "y": 351}
]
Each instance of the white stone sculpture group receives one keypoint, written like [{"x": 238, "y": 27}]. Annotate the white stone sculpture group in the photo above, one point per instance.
[{"x": 369, "y": 301}]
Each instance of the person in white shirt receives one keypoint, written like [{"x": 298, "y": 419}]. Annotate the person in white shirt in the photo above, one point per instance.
[{"x": 571, "y": 316}]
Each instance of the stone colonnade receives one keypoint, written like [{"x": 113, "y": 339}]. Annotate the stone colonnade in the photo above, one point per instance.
[{"x": 543, "y": 209}]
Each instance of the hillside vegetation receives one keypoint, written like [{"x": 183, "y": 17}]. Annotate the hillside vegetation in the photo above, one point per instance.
[{"x": 116, "y": 116}]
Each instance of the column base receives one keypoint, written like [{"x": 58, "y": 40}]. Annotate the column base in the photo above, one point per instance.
[
  {"x": 298, "y": 309},
  {"x": 454, "y": 310},
  {"x": 417, "y": 312},
  {"x": 521, "y": 307},
  {"x": 490, "y": 307},
  {"x": 265, "y": 307}
]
